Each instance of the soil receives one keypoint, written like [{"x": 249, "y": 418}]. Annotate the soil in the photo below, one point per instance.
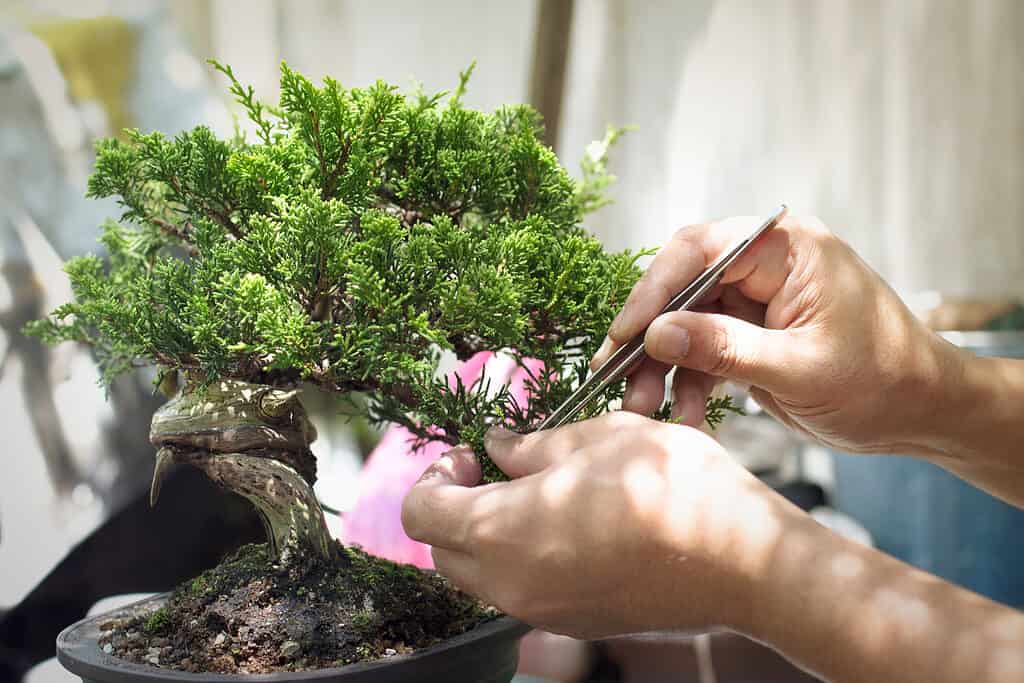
[{"x": 248, "y": 616}]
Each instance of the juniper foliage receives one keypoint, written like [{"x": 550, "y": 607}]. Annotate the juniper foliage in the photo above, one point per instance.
[{"x": 360, "y": 234}]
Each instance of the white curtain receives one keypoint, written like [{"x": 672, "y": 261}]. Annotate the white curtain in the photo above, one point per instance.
[{"x": 899, "y": 123}]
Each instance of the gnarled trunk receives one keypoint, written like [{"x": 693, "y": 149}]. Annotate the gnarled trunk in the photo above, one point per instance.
[{"x": 254, "y": 441}]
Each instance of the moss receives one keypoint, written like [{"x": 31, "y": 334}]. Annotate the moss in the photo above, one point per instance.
[
  {"x": 197, "y": 586},
  {"x": 364, "y": 621},
  {"x": 158, "y": 622}
]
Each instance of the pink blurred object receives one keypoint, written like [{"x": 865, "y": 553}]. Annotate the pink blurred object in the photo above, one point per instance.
[{"x": 374, "y": 523}]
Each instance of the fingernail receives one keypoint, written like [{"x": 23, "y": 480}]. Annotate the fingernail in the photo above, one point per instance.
[
  {"x": 674, "y": 340},
  {"x": 434, "y": 471},
  {"x": 442, "y": 467},
  {"x": 604, "y": 349}
]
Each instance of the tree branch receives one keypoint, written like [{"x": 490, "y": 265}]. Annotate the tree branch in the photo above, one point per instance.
[{"x": 182, "y": 233}]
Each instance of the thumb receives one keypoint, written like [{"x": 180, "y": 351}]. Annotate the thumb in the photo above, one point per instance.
[
  {"x": 517, "y": 454},
  {"x": 728, "y": 347}
]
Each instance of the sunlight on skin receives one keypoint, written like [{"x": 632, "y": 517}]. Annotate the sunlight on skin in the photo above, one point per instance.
[
  {"x": 705, "y": 503},
  {"x": 847, "y": 566},
  {"x": 645, "y": 487},
  {"x": 913, "y": 616},
  {"x": 609, "y": 530},
  {"x": 895, "y": 623},
  {"x": 559, "y": 484},
  {"x": 1007, "y": 663}
]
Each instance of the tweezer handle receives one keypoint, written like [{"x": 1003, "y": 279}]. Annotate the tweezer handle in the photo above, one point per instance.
[{"x": 628, "y": 355}]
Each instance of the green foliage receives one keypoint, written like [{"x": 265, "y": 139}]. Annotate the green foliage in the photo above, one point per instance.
[
  {"x": 158, "y": 622},
  {"x": 715, "y": 411},
  {"x": 360, "y": 234}
]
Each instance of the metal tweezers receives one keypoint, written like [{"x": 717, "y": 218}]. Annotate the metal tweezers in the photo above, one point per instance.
[{"x": 627, "y": 356}]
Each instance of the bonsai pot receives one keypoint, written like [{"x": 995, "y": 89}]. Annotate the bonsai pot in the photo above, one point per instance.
[{"x": 486, "y": 654}]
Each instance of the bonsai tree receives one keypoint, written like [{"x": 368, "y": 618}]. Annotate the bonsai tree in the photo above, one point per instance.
[{"x": 359, "y": 235}]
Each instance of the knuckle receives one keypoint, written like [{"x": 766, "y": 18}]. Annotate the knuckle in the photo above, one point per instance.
[
  {"x": 662, "y": 289},
  {"x": 687, "y": 235},
  {"x": 815, "y": 225},
  {"x": 817, "y": 231},
  {"x": 412, "y": 515},
  {"x": 483, "y": 527},
  {"x": 480, "y": 531},
  {"x": 619, "y": 420},
  {"x": 722, "y": 355}
]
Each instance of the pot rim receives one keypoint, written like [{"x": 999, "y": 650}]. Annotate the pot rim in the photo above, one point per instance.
[{"x": 78, "y": 651}]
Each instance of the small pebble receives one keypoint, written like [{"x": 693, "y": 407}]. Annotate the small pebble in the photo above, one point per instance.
[
  {"x": 390, "y": 652},
  {"x": 186, "y": 663},
  {"x": 108, "y": 624},
  {"x": 243, "y": 632},
  {"x": 108, "y": 648},
  {"x": 160, "y": 642},
  {"x": 220, "y": 639}
]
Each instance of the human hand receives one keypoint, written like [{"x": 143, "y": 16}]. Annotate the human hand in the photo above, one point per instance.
[
  {"x": 615, "y": 525},
  {"x": 827, "y": 347}
]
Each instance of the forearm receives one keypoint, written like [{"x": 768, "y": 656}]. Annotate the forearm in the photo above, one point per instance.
[
  {"x": 850, "y": 613},
  {"x": 977, "y": 431}
]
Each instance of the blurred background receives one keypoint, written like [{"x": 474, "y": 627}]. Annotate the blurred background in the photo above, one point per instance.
[{"x": 900, "y": 124}]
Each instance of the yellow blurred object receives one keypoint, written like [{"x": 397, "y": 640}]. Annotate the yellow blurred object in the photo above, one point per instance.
[{"x": 97, "y": 57}]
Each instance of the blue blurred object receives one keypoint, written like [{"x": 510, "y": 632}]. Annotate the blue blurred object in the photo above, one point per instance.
[{"x": 928, "y": 517}]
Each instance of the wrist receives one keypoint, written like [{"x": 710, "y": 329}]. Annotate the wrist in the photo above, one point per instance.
[
  {"x": 755, "y": 531},
  {"x": 775, "y": 570},
  {"x": 968, "y": 406}
]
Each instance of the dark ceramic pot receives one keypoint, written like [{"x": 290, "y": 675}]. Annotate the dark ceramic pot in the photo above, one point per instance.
[{"x": 487, "y": 654}]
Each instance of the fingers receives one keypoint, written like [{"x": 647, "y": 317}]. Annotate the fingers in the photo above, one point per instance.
[
  {"x": 674, "y": 266},
  {"x": 723, "y": 346},
  {"x": 690, "y": 391},
  {"x": 513, "y": 453},
  {"x": 436, "y": 509},
  {"x": 520, "y": 455},
  {"x": 645, "y": 388},
  {"x": 460, "y": 568},
  {"x": 690, "y": 251}
]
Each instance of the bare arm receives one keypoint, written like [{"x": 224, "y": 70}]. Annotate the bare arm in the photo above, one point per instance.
[
  {"x": 978, "y": 432},
  {"x": 853, "y": 614}
]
